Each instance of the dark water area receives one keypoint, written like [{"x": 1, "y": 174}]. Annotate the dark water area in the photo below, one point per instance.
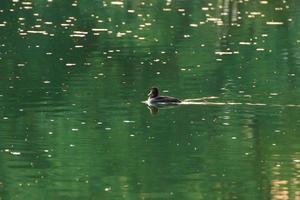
[{"x": 74, "y": 74}]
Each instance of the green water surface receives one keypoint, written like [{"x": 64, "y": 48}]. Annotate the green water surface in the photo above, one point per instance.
[{"x": 73, "y": 75}]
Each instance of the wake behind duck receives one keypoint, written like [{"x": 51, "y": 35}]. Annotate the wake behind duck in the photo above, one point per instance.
[{"x": 155, "y": 101}]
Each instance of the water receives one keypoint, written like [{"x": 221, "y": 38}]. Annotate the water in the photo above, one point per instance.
[{"x": 74, "y": 74}]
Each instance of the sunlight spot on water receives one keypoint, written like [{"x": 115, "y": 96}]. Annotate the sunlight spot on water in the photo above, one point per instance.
[
  {"x": 48, "y": 23},
  {"x": 128, "y": 121},
  {"x": 263, "y": 2},
  {"x": 278, "y": 8},
  {"x": 119, "y": 3},
  {"x": 77, "y": 35},
  {"x": 274, "y": 23},
  {"x": 70, "y": 64},
  {"x": 245, "y": 43},
  {"x": 65, "y": 25},
  {"x": 223, "y": 53},
  {"x": 15, "y": 153},
  {"x": 119, "y": 34},
  {"x": 26, "y": 3},
  {"x": 37, "y": 32},
  {"x": 255, "y": 13},
  {"x": 256, "y": 104},
  {"x": 194, "y": 25},
  {"x": 27, "y": 7},
  {"x": 217, "y": 21},
  {"x": 80, "y": 32}
]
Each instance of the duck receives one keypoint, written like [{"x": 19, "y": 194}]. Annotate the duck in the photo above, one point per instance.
[{"x": 154, "y": 98}]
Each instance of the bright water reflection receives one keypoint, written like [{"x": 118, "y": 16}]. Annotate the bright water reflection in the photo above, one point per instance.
[{"x": 73, "y": 76}]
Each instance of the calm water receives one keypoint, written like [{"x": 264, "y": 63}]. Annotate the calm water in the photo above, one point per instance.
[{"x": 73, "y": 75}]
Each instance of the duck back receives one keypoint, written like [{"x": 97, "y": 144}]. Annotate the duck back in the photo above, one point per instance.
[{"x": 164, "y": 99}]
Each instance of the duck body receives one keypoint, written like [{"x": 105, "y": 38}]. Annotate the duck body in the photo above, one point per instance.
[
  {"x": 154, "y": 98},
  {"x": 163, "y": 100}
]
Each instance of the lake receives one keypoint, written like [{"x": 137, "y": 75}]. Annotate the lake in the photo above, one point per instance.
[{"x": 74, "y": 75}]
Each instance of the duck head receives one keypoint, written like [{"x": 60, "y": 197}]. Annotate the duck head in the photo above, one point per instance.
[{"x": 153, "y": 92}]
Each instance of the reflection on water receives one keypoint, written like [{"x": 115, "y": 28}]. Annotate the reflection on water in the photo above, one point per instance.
[{"x": 73, "y": 74}]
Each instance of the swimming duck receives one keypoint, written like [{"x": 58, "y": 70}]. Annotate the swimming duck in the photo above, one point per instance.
[{"x": 154, "y": 98}]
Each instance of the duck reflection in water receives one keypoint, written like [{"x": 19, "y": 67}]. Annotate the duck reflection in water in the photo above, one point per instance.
[{"x": 155, "y": 108}]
